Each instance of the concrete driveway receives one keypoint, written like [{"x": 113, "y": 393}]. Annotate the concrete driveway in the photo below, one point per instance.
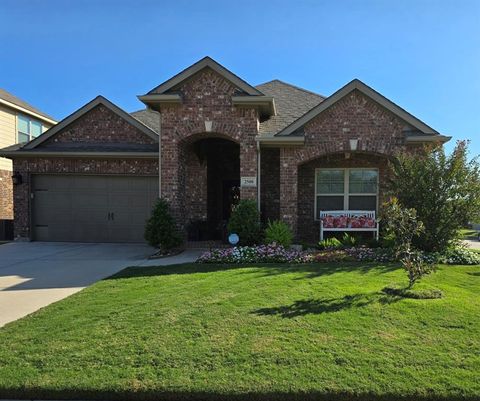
[{"x": 35, "y": 274}]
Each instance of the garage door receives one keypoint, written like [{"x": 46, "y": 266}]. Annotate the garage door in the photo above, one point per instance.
[{"x": 91, "y": 208}]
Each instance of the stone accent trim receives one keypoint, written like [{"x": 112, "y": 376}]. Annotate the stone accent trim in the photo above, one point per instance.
[{"x": 6, "y": 195}]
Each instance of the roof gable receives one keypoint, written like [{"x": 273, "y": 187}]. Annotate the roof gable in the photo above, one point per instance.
[
  {"x": 370, "y": 93},
  {"x": 99, "y": 100},
  {"x": 205, "y": 62}
]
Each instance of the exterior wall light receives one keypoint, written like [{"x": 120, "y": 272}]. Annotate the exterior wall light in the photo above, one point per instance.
[
  {"x": 17, "y": 178},
  {"x": 353, "y": 144}
]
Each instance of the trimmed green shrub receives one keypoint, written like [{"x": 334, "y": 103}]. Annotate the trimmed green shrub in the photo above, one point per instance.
[
  {"x": 278, "y": 232},
  {"x": 245, "y": 221},
  {"x": 160, "y": 230}
]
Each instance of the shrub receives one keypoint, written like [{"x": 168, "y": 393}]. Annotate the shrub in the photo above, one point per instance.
[
  {"x": 330, "y": 243},
  {"x": 459, "y": 256},
  {"x": 245, "y": 221},
  {"x": 401, "y": 225},
  {"x": 160, "y": 230},
  {"x": 278, "y": 232},
  {"x": 348, "y": 240},
  {"x": 443, "y": 189}
]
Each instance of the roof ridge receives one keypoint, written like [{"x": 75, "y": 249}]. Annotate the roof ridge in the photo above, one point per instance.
[{"x": 293, "y": 86}]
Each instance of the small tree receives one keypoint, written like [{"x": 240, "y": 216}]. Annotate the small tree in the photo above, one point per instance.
[
  {"x": 245, "y": 221},
  {"x": 160, "y": 230},
  {"x": 402, "y": 225},
  {"x": 415, "y": 266},
  {"x": 443, "y": 189},
  {"x": 278, "y": 232}
]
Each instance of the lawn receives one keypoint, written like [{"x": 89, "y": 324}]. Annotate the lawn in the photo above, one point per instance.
[{"x": 251, "y": 332}]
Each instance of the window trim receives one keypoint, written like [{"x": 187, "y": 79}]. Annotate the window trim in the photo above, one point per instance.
[{"x": 346, "y": 186}]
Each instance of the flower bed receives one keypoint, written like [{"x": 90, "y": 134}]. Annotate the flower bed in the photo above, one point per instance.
[
  {"x": 253, "y": 254},
  {"x": 273, "y": 253}
]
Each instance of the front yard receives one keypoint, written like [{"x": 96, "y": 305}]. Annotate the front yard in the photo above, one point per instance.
[{"x": 256, "y": 332}]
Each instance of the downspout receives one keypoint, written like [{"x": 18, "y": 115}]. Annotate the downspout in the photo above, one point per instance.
[
  {"x": 258, "y": 175},
  {"x": 159, "y": 154}
]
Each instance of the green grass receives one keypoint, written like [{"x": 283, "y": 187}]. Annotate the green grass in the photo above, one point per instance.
[
  {"x": 322, "y": 332},
  {"x": 468, "y": 233}
]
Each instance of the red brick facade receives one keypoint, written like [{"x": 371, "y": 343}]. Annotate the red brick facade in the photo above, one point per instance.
[
  {"x": 380, "y": 135},
  {"x": 206, "y": 97},
  {"x": 6, "y": 195},
  {"x": 206, "y": 111},
  {"x": 99, "y": 125}
]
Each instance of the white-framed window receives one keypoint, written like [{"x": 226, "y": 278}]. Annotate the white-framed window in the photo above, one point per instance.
[
  {"x": 27, "y": 128},
  {"x": 345, "y": 189}
]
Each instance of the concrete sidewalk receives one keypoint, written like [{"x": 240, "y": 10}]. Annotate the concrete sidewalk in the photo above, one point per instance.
[{"x": 35, "y": 274}]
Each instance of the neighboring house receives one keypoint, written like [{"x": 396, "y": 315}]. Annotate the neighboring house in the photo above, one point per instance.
[
  {"x": 19, "y": 123},
  {"x": 96, "y": 174}
]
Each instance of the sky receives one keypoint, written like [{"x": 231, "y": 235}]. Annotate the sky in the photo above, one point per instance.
[{"x": 423, "y": 55}]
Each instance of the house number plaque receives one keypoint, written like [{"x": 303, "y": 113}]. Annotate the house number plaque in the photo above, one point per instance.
[{"x": 248, "y": 182}]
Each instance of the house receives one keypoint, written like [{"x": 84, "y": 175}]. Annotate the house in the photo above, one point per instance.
[
  {"x": 19, "y": 123},
  {"x": 205, "y": 139}
]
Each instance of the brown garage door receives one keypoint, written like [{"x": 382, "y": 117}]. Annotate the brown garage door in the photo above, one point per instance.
[{"x": 91, "y": 208}]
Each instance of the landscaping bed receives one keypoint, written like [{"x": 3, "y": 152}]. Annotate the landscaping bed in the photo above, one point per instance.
[{"x": 258, "y": 332}]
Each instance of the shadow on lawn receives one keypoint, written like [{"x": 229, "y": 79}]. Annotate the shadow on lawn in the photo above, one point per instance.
[
  {"x": 311, "y": 270},
  {"x": 152, "y": 395},
  {"x": 327, "y": 305}
]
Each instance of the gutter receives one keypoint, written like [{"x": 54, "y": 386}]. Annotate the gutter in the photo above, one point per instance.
[
  {"x": 28, "y": 112},
  {"x": 274, "y": 141},
  {"x": 103, "y": 155},
  {"x": 427, "y": 138}
]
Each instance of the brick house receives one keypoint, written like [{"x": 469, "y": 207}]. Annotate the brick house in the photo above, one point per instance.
[
  {"x": 206, "y": 139},
  {"x": 19, "y": 122}
]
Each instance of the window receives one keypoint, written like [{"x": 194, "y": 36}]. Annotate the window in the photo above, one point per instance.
[
  {"x": 345, "y": 189},
  {"x": 27, "y": 129}
]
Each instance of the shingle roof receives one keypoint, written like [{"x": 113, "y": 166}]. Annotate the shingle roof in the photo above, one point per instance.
[
  {"x": 291, "y": 102},
  {"x": 19, "y": 102},
  {"x": 149, "y": 118}
]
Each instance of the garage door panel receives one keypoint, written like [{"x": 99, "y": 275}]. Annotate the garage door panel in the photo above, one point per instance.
[{"x": 77, "y": 208}]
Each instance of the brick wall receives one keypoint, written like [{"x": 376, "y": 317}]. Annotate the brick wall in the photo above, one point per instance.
[
  {"x": 270, "y": 184},
  {"x": 380, "y": 134},
  {"x": 99, "y": 125},
  {"x": 308, "y": 228},
  {"x": 6, "y": 195},
  {"x": 29, "y": 166},
  {"x": 205, "y": 97}
]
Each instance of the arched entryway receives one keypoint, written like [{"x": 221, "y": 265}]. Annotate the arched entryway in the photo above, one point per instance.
[{"x": 212, "y": 186}]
